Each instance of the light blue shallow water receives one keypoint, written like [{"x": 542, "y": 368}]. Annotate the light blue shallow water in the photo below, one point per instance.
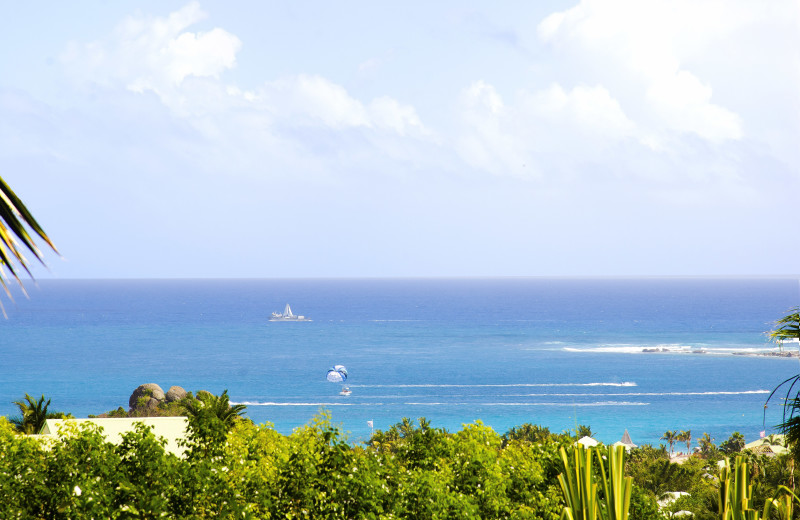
[{"x": 506, "y": 351}]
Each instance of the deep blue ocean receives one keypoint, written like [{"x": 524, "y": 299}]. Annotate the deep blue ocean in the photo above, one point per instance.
[{"x": 555, "y": 352}]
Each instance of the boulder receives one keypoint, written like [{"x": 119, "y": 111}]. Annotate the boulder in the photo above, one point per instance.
[
  {"x": 150, "y": 390},
  {"x": 175, "y": 393}
]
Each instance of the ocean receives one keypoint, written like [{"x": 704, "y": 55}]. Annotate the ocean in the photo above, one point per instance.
[{"x": 558, "y": 352}]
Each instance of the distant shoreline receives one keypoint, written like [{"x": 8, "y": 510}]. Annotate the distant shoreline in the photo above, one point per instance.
[{"x": 667, "y": 350}]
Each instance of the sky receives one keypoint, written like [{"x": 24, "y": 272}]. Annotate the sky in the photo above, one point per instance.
[{"x": 211, "y": 139}]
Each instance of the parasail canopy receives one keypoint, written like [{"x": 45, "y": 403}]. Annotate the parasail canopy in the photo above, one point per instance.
[{"x": 337, "y": 374}]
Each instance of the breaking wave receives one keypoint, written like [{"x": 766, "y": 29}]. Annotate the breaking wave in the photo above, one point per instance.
[
  {"x": 511, "y": 385},
  {"x": 650, "y": 394},
  {"x": 270, "y": 403},
  {"x": 597, "y": 403},
  {"x": 672, "y": 349}
]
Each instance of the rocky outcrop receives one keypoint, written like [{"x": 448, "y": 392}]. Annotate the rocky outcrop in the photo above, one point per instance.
[
  {"x": 151, "y": 391},
  {"x": 175, "y": 393}
]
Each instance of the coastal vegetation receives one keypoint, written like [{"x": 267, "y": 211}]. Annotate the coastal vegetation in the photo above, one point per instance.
[
  {"x": 786, "y": 329},
  {"x": 33, "y": 414},
  {"x": 233, "y": 468}
]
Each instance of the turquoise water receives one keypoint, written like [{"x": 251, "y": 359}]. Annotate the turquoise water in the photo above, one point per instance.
[{"x": 556, "y": 352}]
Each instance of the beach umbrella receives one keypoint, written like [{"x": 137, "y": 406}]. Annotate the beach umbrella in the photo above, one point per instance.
[{"x": 337, "y": 374}]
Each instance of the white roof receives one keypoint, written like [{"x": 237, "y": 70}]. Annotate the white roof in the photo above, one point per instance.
[
  {"x": 628, "y": 447},
  {"x": 588, "y": 441},
  {"x": 171, "y": 428},
  {"x": 781, "y": 439},
  {"x": 670, "y": 497}
]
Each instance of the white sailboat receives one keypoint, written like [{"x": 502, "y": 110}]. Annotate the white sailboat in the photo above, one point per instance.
[{"x": 287, "y": 315}]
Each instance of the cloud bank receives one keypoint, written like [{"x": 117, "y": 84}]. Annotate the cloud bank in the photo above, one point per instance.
[{"x": 618, "y": 133}]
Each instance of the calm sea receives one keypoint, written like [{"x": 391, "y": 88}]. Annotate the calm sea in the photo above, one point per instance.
[{"x": 556, "y": 352}]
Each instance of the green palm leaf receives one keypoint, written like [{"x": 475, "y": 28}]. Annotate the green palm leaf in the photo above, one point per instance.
[
  {"x": 786, "y": 328},
  {"x": 15, "y": 219}
]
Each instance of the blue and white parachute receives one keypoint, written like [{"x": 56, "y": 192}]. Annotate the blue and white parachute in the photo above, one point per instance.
[{"x": 337, "y": 374}]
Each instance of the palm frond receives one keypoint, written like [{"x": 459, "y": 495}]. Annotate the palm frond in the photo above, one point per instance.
[
  {"x": 15, "y": 219},
  {"x": 786, "y": 328}
]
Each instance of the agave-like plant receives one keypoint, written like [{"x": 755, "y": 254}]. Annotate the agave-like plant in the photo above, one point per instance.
[
  {"x": 15, "y": 239},
  {"x": 580, "y": 485},
  {"x": 616, "y": 486},
  {"x": 735, "y": 496},
  {"x": 783, "y": 504},
  {"x": 735, "y": 492}
]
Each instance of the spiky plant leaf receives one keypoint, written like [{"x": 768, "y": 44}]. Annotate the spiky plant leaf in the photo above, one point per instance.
[{"x": 15, "y": 219}]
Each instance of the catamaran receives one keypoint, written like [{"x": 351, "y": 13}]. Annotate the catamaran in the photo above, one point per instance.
[{"x": 287, "y": 316}]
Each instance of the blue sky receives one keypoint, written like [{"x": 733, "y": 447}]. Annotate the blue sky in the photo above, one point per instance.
[{"x": 323, "y": 139}]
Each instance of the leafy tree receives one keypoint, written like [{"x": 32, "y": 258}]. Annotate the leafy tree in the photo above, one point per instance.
[
  {"x": 34, "y": 414},
  {"x": 14, "y": 237},
  {"x": 210, "y": 418},
  {"x": 734, "y": 444},
  {"x": 707, "y": 447},
  {"x": 652, "y": 471},
  {"x": 583, "y": 431},
  {"x": 147, "y": 474},
  {"x": 671, "y": 437},
  {"x": 528, "y": 432},
  {"x": 81, "y": 475},
  {"x": 419, "y": 446},
  {"x": 22, "y": 467},
  {"x": 686, "y": 436}
]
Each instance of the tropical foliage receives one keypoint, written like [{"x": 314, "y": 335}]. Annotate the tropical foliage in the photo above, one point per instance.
[
  {"x": 671, "y": 437},
  {"x": 33, "y": 414},
  {"x": 15, "y": 240},
  {"x": 685, "y": 436},
  {"x": 236, "y": 469},
  {"x": 788, "y": 328},
  {"x": 588, "y": 497},
  {"x": 734, "y": 444}
]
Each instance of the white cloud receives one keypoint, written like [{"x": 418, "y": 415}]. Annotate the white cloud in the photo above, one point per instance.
[
  {"x": 276, "y": 122},
  {"x": 591, "y": 109},
  {"x": 625, "y": 93},
  {"x": 390, "y": 114},
  {"x": 489, "y": 140},
  {"x": 540, "y": 130},
  {"x": 649, "y": 43},
  {"x": 155, "y": 54},
  {"x": 312, "y": 99},
  {"x": 684, "y": 104}
]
